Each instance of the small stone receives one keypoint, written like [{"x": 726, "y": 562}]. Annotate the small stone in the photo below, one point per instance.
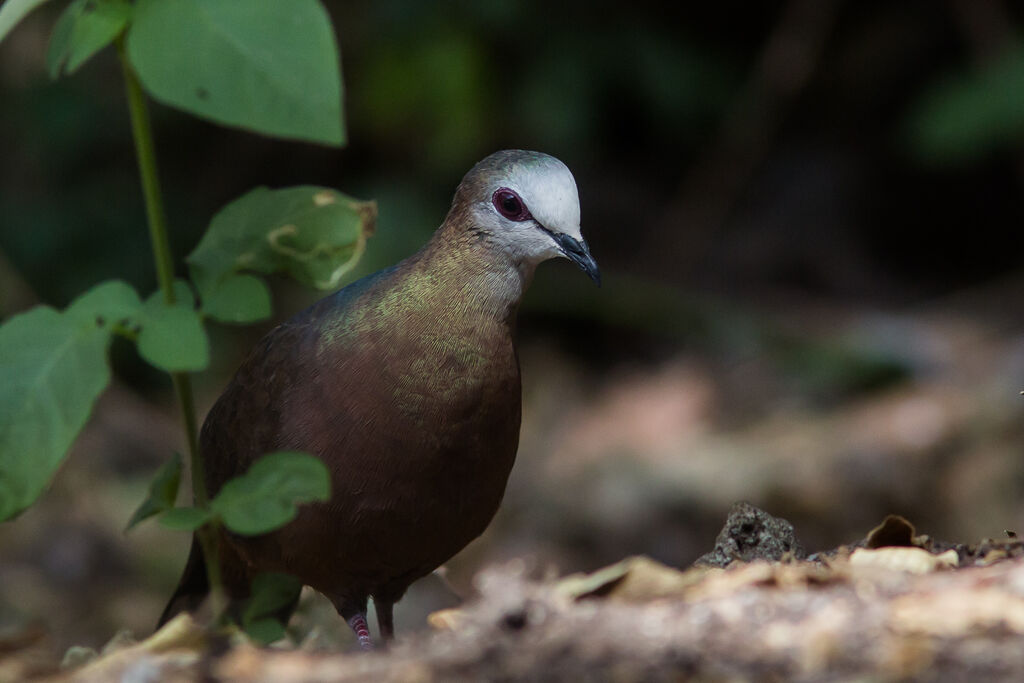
[{"x": 752, "y": 534}]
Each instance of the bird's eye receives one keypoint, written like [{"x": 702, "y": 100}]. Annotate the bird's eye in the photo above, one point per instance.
[{"x": 510, "y": 205}]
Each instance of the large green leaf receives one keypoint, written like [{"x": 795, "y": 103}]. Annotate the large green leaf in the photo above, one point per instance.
[
  {"x": 85, "y": 28},
  {"x": 267, "y": 496},
  {"x": 264, "y": 65},
  {"x": 13, "y": 11},
  {"x": 53, "y": 367},
  {"x": 315, "y": 234}
]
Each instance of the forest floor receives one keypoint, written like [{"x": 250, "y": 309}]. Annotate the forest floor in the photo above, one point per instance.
[
  {"x": 827, "y": 416},
  {"x": 895, "y": 606}
]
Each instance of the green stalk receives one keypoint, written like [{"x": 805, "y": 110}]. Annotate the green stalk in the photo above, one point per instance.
[{"x": 142, "y": 133}]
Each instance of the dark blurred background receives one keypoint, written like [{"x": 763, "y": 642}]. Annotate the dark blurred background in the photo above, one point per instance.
[{"x": 808, "y": 214}]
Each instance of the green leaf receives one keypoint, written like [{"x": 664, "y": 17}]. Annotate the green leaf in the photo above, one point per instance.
[
  {"x": 238, "y": 299},
  {"x": 85, "y": 28},
  {"x": 185, "y": 519},
  {"x": 264, "y": 631},
  {"x": 173, "y": 337},
  {"x": 110, "y": 302},
  {"x": 13, "y": 11},
  {"x": 315, "y": 234},
  {"x": 53, "y": 368},
  {"x": 271, "y": 593},
  {"x": 964, "y": 116},
  {"x": 267, "y": 496},
  {"x": 265, "y": 65},
  {"x": 163, "y": 491},
  {"x": 183, "y": 295}
]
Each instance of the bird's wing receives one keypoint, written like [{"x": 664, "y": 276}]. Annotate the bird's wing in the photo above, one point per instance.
[{"x": 249, "y": 418}]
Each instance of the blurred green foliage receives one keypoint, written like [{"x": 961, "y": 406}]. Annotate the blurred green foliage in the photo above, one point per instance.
[{"x": 972, "y": 112}]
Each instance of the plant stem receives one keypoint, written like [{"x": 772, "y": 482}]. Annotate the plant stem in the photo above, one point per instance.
[{"x": 142, "y": 133}]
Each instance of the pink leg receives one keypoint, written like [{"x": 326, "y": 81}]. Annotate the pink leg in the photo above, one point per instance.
[{"x": 358, "y": 624}]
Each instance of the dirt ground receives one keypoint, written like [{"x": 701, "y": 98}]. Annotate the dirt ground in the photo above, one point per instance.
[{"x": 896, "y": 606}]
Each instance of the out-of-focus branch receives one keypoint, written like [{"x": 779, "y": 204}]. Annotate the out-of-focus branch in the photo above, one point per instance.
[{"x": 710, "y": 188}]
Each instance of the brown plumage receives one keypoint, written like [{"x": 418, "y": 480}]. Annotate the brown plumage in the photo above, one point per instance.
[{"x": 406, "y": 384}]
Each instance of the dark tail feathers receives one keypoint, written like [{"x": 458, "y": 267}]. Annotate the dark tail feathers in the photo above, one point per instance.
[{"x": 193, "y": 586}]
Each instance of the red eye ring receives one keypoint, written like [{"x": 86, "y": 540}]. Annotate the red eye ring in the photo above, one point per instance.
[{"x": 509, "y": 205}]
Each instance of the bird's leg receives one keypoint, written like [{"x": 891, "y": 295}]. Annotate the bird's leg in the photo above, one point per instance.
[
  {"x": 358, "y": 624},
  {"x": 385, "y": 618},
  {"x": 353, "y": 611}
]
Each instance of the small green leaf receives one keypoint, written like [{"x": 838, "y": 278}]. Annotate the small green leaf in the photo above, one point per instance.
[
  {"x": 173, "y": 337},
  {"x": 271, "y": 593},
  {"x": 110, "y": 302},
  {"x": 60, "y": 39},
  {"x": 54, "y": 367},
  {"x": 163, "y": 491},
  {"x": 267, "y": 496},
  {"x": 238, "y": 299},
  {"x": 185, "y": 519},
  {"x": 183, "y": 295},
  {"x": 13, "y": 11},
  {"x": 85, "y": 28},
  {"x": 268, "y": 66},
  {"x": 264, "y": 631},
  {"x": 315, "y": 234}
]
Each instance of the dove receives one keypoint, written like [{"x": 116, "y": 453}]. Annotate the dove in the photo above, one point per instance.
[{"x": 406, "y": 384}]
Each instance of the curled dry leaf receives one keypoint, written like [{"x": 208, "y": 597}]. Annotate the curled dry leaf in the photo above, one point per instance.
[
  {"x": 635, "y": 579},
  {"x": 893, "y": 531},
  {"x": 762, "y": 574}
]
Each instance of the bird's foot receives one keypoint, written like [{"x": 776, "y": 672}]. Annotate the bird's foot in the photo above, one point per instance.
[{"x": 362, "y": 631}]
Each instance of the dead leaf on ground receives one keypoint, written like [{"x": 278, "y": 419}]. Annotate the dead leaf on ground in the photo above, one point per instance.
[
  {"x": 893, "y": 531},
  {"x": 635, "y": 579},
  {"x": 912, "y": 560}
]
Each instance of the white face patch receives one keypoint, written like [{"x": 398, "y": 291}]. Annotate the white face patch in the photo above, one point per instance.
[
  {"x": 547, "y": 187},
  {"x": 547, "y": 190}
]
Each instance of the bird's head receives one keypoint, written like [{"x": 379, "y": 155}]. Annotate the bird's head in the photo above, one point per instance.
[{"x": 526, "y": 204}]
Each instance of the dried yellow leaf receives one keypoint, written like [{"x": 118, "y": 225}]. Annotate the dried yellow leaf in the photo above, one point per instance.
[
  {"x": 901, "y": 559},
  {"x": 446, "y": 619}
]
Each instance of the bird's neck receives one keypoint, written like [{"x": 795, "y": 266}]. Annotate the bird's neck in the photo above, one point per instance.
[{"x": 477, "y": 277}]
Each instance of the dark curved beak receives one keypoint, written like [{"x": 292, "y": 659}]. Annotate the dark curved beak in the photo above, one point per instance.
[{"x": 578, "y": 252}]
